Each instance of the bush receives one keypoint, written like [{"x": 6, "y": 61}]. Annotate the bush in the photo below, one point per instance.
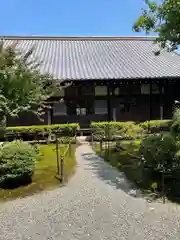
[
  {"x": 175, "y": 128},
  {"x": 115, "y": 130},
  {"x": 41, "y": 131},
  {"x": 160, "y": 153},
  {"x": 17, "y": 163},
  {"x": 156, "y": 126}
]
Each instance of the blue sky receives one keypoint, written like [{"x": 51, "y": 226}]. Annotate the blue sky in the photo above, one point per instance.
[{"x": 69, "y": 17}]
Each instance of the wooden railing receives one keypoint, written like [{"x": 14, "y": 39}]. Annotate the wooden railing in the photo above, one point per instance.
[
  {"x": 61, "y": 158},
  {"x": 103, "y": 144}
]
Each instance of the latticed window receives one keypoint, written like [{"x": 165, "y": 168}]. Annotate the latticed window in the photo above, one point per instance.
[
  {"x": 101, "y": 91},
  {"x": 100, "y": 107},
  {"x": 59, "y": 109},
  {"x": 145, "y": 89}
]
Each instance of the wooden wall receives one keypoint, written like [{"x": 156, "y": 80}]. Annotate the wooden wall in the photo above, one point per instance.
[{"x": 130, "y": 103}]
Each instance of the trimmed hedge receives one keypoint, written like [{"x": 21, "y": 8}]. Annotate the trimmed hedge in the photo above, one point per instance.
[
  {"x": 41, "y": 131},
  {"x": 116, "y": 130},
  {"x": 127, "y": 130},
  {"x": 156, "y": 126}
]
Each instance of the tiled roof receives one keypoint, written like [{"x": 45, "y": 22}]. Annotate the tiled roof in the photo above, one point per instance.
[{"x": 75, "y": 58}]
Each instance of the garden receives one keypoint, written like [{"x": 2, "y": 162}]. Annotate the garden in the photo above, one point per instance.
[
  {"x": 32, "y": 158},
  {"x": 148, "y": 153},
  {"x": 28, "y": 167}
]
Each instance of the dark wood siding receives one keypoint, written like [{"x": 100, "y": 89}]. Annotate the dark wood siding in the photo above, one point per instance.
[{"x": 130, "y": 104}]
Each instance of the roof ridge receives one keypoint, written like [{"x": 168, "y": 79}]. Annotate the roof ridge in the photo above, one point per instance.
[{"x": 144, "y": 38}]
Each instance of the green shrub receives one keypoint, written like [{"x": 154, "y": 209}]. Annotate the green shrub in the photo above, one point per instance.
[
  {"x": 115, "y": 130},
  {"x": 175, "y": 128},
  {"x": 68, "y": 129},
  {"x": 17, "y": 163},
  {"x": 156, "y": 126},
  {"x": 40, "y": 131},
  {"x": 160, "y": 153}
]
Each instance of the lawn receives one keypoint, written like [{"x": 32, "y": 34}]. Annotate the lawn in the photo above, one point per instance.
[{"x": 44, "y": 175}]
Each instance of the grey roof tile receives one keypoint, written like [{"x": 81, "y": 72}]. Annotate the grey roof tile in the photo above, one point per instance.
[{"x": 100, "y": 58}]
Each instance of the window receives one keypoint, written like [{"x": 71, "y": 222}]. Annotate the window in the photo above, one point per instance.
[
  {"x": 128, "y": 89},
  {"x": 116, "y": 91},
  {"x": 155, "y": 89},
  {"x": 145, "y": 89},
  {"x": 101, "y": 107},
  {"x": 81, "y": 111},
  {"x": 59, "y": 109},
  {"x": 78, "y": 111},
  {"x": 100, "y": 91}
]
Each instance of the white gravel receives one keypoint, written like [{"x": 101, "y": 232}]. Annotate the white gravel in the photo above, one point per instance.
[{"x": 94, "y": 205}]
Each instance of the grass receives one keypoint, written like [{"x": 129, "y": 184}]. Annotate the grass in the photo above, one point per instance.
[
  {"x": 44, "y": 175},
  {"x": 129, "y": 162}
]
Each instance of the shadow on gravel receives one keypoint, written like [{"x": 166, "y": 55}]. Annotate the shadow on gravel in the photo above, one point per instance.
[{"x": 109, "y": 174}]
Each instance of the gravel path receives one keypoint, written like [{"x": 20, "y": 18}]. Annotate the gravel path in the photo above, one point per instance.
[{"x": 94, "y": 205}]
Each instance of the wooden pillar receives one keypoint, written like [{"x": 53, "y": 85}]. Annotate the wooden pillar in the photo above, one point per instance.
[
  {"x": 150, "y": 102},
  {"x": 113, "y": 104},
  {"x": 114, "y": 113},
  {"x": 108, "y": 102},
  {"x": 161, "y": 101}
]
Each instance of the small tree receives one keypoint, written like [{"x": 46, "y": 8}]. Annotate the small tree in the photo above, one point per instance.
[
  {"x": 162, "y": 18},
  {"x": 23, "y": 87}
]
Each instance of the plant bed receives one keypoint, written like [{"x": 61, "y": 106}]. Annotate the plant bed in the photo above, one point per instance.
[
  {"x": 45, "y": 172},
  {"x": 128, "y": 160}
]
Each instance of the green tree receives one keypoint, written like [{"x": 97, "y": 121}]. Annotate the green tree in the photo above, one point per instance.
[
  {"x": 23, "y": 87},
  {"x": 162, "y": 18}
]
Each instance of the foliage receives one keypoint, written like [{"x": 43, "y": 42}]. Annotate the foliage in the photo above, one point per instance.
[
  {"x": 17, "y": 163},
  {"x": 163, "y": 18},
  {"x": 128, "y": 160},
  {"x": 156, "y": 126},
  {"x": 40, "y": 131},
  {"x": 66, "y": 140},
  {"x": 45, "y": 129},
  {"x": 114, "y": 130},
  {"x": 160, "y": 153},
  {"x": 175, "y": 128},
  {"x": 127, "y": 130},
  {"x": 45, "y": 172},
  {"x": 23, "y": 88}
]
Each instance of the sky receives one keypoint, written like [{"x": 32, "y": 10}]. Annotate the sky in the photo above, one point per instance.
[{"x": 69, "y": 17}]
